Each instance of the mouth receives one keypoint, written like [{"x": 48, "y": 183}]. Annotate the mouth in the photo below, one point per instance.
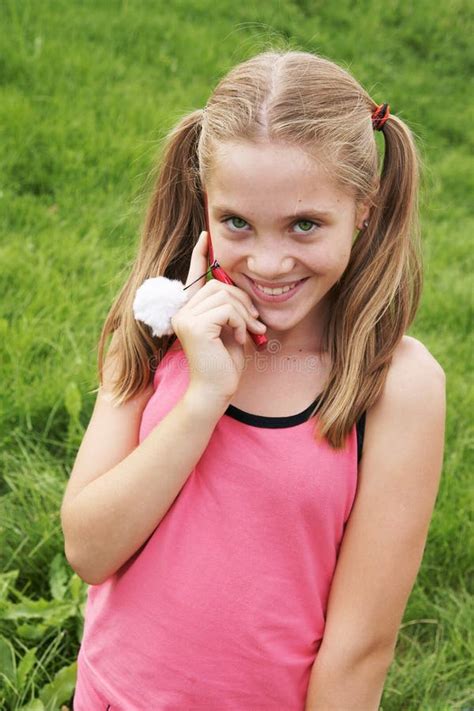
[{"x": 278, "y": 297}]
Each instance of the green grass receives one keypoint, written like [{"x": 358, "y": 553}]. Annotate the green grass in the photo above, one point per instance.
[{"x": 87, "y": 92}]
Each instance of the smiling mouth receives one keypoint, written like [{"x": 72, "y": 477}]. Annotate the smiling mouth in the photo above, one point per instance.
[
  {"x": 280, "y": 295},
  {"x": 286, "y": 285},
  {"x": 283, "y": 285}
]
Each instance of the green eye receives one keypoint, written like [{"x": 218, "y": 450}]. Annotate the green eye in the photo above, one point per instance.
[
  {"x": 306, "y": 222},
  {"x": 232, "y": 223},
  {"x": 238, "y": 220}
]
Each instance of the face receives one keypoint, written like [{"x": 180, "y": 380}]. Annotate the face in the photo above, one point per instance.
[{"x": 277, "y": 217}]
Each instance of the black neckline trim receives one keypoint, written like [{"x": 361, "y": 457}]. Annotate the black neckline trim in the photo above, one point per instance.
[
  {"x": 271, "y": 422},
  {"x": 291, "y": 420}
]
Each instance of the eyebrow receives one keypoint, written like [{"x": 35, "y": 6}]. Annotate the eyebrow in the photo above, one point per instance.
[{"x": 222, "y": 209}]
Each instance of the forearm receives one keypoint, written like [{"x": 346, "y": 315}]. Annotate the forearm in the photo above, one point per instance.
[
  {"x": 108, "y": 521},
  {"x": 355, "y": 685}
]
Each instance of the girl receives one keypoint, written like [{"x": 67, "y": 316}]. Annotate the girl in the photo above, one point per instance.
[{"x": 241, "y": 552}]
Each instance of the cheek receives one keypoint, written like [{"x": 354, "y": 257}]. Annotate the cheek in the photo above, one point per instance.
[
  {"x": 324, "y": 261},
  {"x": 231, "y": 253},
  {"x": 224, "y": 250},
  {"x": 333, "y": 260}
]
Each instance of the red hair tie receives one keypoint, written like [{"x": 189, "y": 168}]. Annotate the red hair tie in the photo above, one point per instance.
[{"x": 379, "y": 116}]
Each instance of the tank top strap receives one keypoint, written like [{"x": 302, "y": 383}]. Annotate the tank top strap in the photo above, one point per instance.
[{"x": 360, "y": 428}]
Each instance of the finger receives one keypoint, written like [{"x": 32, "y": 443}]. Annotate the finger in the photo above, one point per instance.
[
  {"x": 227, "y": 315},
  {"x": 198, "y": 265},
  {"x": 220, "y": 297},
  {"x": 215, "y": 286},
  {"x": 244, "y": 298}
]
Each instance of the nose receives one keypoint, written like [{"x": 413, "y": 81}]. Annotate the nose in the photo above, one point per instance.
[{"x": 270, "y": 265}]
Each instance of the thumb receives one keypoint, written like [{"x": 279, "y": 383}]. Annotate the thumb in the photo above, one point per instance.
[{"x": 199, "y": 264}]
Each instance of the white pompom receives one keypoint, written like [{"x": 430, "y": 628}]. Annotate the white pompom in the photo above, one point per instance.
[{"x": 156, "y": 301}]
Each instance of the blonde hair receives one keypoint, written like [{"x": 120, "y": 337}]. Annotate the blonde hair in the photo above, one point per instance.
[{"x": 301, "y": 99}]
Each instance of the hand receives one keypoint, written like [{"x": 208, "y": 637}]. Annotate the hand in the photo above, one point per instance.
[{"x": 212, "y": 328}]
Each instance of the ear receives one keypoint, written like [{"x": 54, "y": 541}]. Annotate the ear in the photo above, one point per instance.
[{"x": 362, "y": 214}]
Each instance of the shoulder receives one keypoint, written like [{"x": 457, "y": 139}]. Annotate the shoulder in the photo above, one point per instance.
[
  {"x": 414, "y": 380},
  {"x": 411, "y": 358},
  {"x": 111, "y": 372},
  {"x": 410, "y": 412}
]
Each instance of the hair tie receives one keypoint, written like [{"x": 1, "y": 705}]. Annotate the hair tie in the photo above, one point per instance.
[
  {"x": 379, "y": 116},
  {"x": 159, "y": 298}
]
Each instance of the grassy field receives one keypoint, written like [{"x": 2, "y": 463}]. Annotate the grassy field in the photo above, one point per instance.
[{"x": 88, "y": 89}]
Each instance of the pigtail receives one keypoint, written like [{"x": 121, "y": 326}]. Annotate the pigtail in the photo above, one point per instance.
[
  {"x": 377, "y": 298},
  {"x": 173, "y": 222}
]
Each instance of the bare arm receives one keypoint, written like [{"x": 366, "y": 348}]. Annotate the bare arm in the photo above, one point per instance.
[
  {"x": 383, "y": 544},
  {"x": 119, "y": 490}
]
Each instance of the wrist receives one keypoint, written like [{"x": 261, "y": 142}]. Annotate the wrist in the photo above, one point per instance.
[{"x": 202, "y": 401}]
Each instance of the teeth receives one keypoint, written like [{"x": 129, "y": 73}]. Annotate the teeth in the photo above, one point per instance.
[{"x": 275, "y": 292}]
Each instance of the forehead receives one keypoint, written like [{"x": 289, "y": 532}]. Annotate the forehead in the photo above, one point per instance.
[{"x": 272, "y": 175}]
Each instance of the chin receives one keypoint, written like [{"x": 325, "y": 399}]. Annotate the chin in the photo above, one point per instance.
[{"x": 276, "y": 322}]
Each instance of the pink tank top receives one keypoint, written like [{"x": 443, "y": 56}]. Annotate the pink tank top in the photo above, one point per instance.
[{"x": 223, "y": 607}]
